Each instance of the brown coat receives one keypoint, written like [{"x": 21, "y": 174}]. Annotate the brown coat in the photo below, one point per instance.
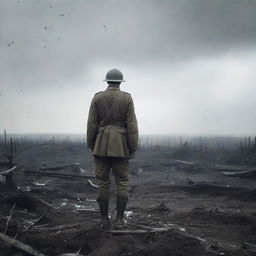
[{"x": 112, "y": 129}]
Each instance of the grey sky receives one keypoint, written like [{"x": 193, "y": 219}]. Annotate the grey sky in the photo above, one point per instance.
[{"x": 189, "y": 64}]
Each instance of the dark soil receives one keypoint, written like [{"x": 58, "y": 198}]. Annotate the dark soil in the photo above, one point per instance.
[{"x": 206, "y": 212}]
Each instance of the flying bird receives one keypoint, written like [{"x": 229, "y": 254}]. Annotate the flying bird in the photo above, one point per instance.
[
  {"x": 61, "y": 14},
  {"x": 11, "y": 43}
]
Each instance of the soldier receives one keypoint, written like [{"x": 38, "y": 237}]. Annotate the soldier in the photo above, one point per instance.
[{"x": 112, "y": 135}]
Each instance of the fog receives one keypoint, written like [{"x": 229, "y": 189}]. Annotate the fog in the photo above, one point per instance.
[{"x": 189, "y": 64}]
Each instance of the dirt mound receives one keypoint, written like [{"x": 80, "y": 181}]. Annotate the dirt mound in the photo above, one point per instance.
[{"x": 170, "y": 243}]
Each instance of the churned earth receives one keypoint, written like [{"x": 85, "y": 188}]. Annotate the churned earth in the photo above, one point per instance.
[{"x": 174, "y": 209}]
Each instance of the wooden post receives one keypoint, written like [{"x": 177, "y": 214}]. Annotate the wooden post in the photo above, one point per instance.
[{"x": 241, "y": 147}]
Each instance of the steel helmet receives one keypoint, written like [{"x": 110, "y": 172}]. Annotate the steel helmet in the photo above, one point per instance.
[{"x": 114, "y": 75}]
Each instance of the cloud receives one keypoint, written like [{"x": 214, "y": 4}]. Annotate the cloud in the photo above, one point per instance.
[
  {"x": 50, "y": 48},
  {"x": 193, "y": 59}
]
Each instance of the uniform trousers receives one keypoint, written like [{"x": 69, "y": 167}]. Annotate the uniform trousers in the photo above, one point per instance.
[{"x": 120, "y": 171}]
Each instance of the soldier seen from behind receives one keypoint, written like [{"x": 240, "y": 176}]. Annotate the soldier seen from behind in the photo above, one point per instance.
[{"x": 112, "y": 135}]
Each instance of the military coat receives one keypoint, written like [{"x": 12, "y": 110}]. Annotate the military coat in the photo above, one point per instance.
[{"x": 112, "y": 129}]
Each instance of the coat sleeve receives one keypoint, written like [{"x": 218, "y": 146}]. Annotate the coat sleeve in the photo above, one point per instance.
[
  {"x": 132, "y": 127},
  {"x": 92, "y": 125}
]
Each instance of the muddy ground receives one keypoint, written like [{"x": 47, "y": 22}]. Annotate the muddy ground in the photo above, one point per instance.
[{"x": 202, "y": 211}]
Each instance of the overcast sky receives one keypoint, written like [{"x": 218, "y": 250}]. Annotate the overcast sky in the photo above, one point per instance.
[{"x": 189, "y": 64}]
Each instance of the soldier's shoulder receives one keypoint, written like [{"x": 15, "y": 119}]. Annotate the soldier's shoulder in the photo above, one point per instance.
[
  {"x": 98, "y": 93},
  {"x": 127, "y": 93}
]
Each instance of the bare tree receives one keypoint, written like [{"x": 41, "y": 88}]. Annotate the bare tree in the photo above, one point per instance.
[{"x": 10, "y": 151}]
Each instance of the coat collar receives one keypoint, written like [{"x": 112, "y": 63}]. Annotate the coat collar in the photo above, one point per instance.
[{"x": 113, "y": 88}]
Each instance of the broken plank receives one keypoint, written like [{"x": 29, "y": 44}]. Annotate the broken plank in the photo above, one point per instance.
[
  {"x": 234, "y": 173},
  {"x": 33, "y": 224},
  {"x": 250, "y": 173},
  {"x": 230, "y": 168},
  {"x": 48, "y": 204},
  {"x": 87, "y": 210},
  {"x": 58, "y": 175},
  {"x": 59, "y": 167},
  {"x": 183, "y": 162},
  {"x": 71, "y": 254},
  {"x": 92, "y": 184},
  {"x": 24, "y": 247},
  {"x": 6, "y": 172},
  {"x": 62, "y": 227},
  {"x": 137, "y": 231}
]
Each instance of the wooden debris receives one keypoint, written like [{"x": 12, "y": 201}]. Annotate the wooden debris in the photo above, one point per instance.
[
  {"x": 34, "y": 223},
  {"x": 4, "y": 173},
  {"x": 249, "y": 245},
  {"x": 60, "y": 227},
  {"x": 140, "y": 226},
  {"x": 138, "y": 231},
  {"x": 92, "y": 184},
  {"x": 230, "y": 168},
  {"x": 71, "y": 254},
  {"x": 24, "y": 247},
  {"x": 48, "y": 204},
  {"x": 82, "y": 170},
  {"x": 9, "y": 218},
  {"x": 87, "y": 210},
  {"x": 8, "y": 177},
  {"x": 128, "y": 231},
  {"x": 61, "y": 167},
  {"x": 250, "y": 173},
  {"x": 210, "y": 185},
  {"x": 59, "y": 175},
  {"x": 183, "y": 162}
]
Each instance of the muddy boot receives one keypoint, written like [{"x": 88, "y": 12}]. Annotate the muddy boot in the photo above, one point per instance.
[
  {"x": 104, "y": 221},
  {"x": 120, "y": 206}
]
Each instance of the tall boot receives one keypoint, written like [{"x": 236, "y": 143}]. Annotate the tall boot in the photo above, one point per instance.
[
  {"x": 120, "y": 206},
  {"x": 103, "y": 204}
]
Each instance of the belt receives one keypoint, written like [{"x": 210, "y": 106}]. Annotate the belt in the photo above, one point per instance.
[{"x": 114, "y": 123}]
